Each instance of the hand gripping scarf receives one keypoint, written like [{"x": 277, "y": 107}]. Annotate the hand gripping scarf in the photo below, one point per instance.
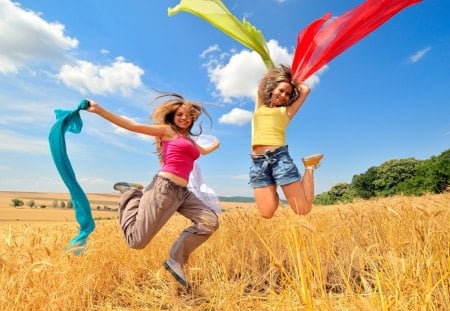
[
  {"x": 317, "y": 44},
  {"x": 71, "y": 121}
]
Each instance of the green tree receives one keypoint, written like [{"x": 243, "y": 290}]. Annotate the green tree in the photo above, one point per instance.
[
  {"x": 55, "y": 203},
  {"x": 402, "y": 176},
  {"x": 339, "y": 192},
  {"x": 363, "y": 184},
  {"x": 16, "y": 203},
  {"x": 432, "y": 176},
  {"x": 31, "y": 203},
  {"x": 420, "y": 183},
  {"x": 62, "y": 204},
  {"x": 391, "y": 173},
  {"x": 324, "y": 199},
  {"x": 441, "y": 172}
]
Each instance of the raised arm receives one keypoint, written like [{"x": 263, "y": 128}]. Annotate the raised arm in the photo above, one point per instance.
[
  {"x": 152, "y": 130},
  {"x": 304, "y": 91}
]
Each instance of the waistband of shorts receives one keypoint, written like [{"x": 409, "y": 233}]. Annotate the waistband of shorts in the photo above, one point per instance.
[
  {"x": 269, "y": 153},
  {"x": 170, "y": 182}
]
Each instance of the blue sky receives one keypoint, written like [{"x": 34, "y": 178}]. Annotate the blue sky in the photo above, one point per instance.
[{"x": 387, "y": 97}]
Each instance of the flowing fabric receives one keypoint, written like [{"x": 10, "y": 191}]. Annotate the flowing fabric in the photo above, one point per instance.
[
  {"x": 326, "y": 38},
  {"x": 202, "y": 191},
  {"x": 71, "y": 121},
  {"x": 217, "y": 14},
  {"x": 197, "y": 184}
]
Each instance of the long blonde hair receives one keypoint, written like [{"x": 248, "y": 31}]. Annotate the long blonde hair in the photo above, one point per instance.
[{"x": 165, "y": 112}]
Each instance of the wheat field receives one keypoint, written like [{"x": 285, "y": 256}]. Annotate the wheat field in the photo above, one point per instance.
[{"x": 383, "y": 254}]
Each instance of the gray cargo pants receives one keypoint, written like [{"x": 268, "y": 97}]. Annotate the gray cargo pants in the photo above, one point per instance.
[{"x": 143, "y": 214}]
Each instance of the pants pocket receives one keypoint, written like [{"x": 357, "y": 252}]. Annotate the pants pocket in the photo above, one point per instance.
[{"x": 162, "y": 195}]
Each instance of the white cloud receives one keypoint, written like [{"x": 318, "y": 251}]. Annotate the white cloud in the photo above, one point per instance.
[
  {"x": 236, "y": 116},
  {"x": 119, "y": 77},
  {"x": 419, "y": 55},
  {"x": 279, "y": 54},
  {"x": 25, "y": 38},
  {"x": 239, "y": 76},
  {"x": 212, "y": 48},
  {"x": 13, "y": 142},
  {"x": 314, "y": 79}
]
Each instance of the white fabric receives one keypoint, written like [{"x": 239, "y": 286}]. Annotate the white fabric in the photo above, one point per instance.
[{"x": 197, "y": 184}]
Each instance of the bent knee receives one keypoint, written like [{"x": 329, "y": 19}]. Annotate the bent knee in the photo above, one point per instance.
[
  {"x": 215, "y": 227},
  {"x": 266, "y": 216},
  {"x": 212, "y": 226},
  {"x": 208, "y": 227},
  {"x": 303, "y": 209},
  {"x": 301, "y": 212},
  {"x": 136, "y": 243},
  {"x": 267, "y": 211}
]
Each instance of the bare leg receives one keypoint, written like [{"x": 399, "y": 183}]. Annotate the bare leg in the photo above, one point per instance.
[
  {"x": 267, "y": 200},
  {"x": 300, "y": 194},
  {"x": 308, "y": 185}
]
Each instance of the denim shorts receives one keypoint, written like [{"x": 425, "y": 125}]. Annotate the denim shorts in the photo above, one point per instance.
[{"x": 273, "y": 168}]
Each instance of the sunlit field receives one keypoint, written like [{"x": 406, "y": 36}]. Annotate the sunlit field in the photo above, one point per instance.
[{"x": 384, "y": 254}]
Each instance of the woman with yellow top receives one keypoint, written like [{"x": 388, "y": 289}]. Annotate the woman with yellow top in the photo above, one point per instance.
[{"x": 279, "y": 98}]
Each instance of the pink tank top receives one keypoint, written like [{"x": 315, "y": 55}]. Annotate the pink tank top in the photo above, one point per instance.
[{"x": 179, "y": 155}]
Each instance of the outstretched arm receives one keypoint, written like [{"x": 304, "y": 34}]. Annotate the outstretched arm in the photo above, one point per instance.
[
  {"x": 303, "y": 90},
  {"x": 152, "y": 130}
]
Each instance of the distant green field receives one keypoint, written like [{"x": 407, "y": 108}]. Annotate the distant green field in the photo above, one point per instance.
[{"x": 237, "y": 199}]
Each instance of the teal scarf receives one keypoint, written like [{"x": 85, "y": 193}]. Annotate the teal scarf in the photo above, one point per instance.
[{"x": 71, "y": 121}]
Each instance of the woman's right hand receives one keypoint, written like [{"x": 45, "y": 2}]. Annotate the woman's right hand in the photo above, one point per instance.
[{"x": 93, "y": 106}]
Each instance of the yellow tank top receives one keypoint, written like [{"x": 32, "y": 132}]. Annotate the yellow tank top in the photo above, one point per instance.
[{"x": 269, "y": 126}]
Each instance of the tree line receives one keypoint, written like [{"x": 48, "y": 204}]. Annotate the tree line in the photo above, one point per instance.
[
  {"x": 32, "y": 204},
  {"x": 394, "y": 177}
]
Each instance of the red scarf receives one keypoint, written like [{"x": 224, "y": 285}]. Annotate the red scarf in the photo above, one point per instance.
[{"x": 326, "y": 38}]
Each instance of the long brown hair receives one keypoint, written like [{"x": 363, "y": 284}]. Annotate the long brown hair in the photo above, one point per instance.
[
  {"x": 165, "y": 112},
  {"x": 270, "y": 81}
]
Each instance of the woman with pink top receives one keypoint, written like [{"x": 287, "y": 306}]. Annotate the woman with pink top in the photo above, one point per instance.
[{"x": 143, "y": 213}]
